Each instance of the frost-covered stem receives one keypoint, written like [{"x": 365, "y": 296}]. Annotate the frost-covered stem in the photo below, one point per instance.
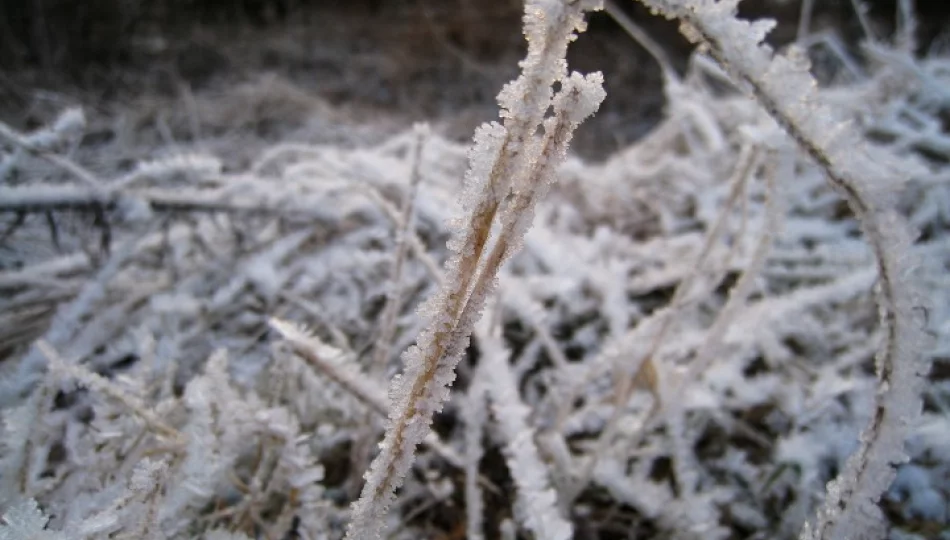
[
  {"x": 394, "y": 296},
  {"x": 41, "y": 144},
  {"x": 578, "y": 98},
  {"x": 632, "y": 29},
  {"x": 415, "y": 243},
  {"x": 861, "y": 12},
  {"x": 536, "y": 507},
  {"x": 674, "y": 410},
  {"x": 748, "y": 157},
  {"x": 644, "y": 372},
  {"x": 150, "y": 526},
  {"x": 35, "y": 198},
  {"x": 515, "y": 297},
  {"x": 785, "y": 89},
  {"x": 66, "y": 323},
  {"x": 47, "y": 198},
  {"x": 804, "y": 20},
  {"x": 97, "y": 383},
  {"x": 716, "y": 336},
  {"x": 327, "y": 359},
  {"x": 501, "y": 156},
  {"x": 685, "y": 465},
  {"x": 907, "y": 36},
  {"x": 349, "y": 376},
  {"x": 474, "y": 413},
  {"x": 549, "y": 26},
  {"x": 20, "y": 428}
]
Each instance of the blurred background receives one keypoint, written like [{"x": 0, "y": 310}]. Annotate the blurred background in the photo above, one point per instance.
[{"x": 271, "y": 65}]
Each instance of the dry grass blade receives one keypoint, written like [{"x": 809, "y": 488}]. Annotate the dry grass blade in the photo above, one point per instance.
[{"x": 503, "y": 156}]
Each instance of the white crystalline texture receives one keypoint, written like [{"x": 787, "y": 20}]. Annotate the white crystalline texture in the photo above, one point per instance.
[
  {"x": 70, "y": 123},
  {"x": 606, "y": 400},
  {"x": 499, "y": 153},
  {"x": 147, "y": 474},
  {"x": 537, "y": 501},
  {"x": 67, "y": 128},
  {"x": 550, "y": 25},
  {"x": 580, "y": 96},
  {"x": 488, "y": 142},
  {"x": 23, "y": 520},
  {"x": 193, "y": 166},
  {"x": 787, "y": 91}
]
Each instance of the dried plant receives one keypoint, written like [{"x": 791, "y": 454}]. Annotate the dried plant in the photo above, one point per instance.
[
  {"x": 690, "y": 339},
  {"x": 786, "y": 90},
  {"x": 510, "y": 168}
]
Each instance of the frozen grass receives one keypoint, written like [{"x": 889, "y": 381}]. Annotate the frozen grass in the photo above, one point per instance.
[{"x": 688, "y": 343}]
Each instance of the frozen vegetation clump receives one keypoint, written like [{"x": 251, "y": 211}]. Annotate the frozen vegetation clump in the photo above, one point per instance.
[{"x": 725, "y": 330}]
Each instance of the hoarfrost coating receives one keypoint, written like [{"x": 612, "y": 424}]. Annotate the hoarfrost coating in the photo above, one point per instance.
[{"x": 687, "y": 340}]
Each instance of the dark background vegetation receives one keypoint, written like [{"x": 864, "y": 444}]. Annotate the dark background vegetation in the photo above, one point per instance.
[
  {"x": 70, "y": 36},
  {"x": 418, "y": 58}
]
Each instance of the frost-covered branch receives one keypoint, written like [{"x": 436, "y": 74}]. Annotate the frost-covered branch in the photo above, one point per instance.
[{"x": 784, "y": 87}]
